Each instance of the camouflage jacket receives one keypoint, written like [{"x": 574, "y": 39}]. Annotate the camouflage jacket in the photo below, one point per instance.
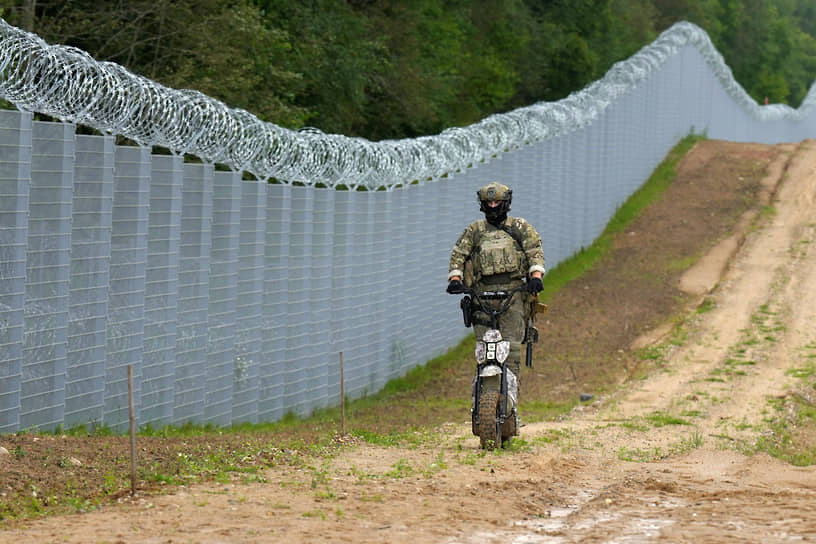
[{"x": 493, "y": 251}]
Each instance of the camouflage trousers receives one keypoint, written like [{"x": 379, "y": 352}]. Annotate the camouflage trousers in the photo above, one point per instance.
[{"x": 512, "y": 325}]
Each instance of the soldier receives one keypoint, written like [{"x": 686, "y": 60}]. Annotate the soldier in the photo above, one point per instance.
[{"x": 504, "y": 253}]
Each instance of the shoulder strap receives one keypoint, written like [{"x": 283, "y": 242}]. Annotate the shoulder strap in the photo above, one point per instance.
[{"x": 515, "y": 235}]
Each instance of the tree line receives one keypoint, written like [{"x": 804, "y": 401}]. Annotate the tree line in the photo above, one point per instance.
[{"x": 384, "y": 69}]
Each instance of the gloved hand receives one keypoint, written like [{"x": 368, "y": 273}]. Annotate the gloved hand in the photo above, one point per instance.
[
  {"x": 455, "y": 287},
  {"x": 534, "y": 285}
]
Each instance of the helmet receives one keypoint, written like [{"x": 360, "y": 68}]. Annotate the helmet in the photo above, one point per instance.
[{"x": 495, "y": 192}]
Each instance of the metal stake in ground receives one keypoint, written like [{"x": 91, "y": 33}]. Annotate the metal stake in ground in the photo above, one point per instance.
[
  {"x": 132, "y": 432},
  {"x": 342, "y": 398}
]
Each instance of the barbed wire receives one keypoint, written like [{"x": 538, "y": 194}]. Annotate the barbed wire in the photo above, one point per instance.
[{"x": 68, "y": 84}]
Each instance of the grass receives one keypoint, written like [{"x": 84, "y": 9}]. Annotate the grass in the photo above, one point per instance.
[
  {"x": 661, "y": 419},
  {"x": 793, "y": 432},
  {"x": 791, "y": 423}
]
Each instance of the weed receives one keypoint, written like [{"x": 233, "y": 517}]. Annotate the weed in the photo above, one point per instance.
[
  {"x": 362, "y": 477},
  {"x": 314, "y": 514},
  {"x": 639, "y": 455},
  {"x": 802, "y": 372},
  {"x": 661, "y": 419},
  {"x": 692, "y": 442},
  {"x": 111, "y": 483},
  {"x": 253, "y": 478},
  {"x": 652, "y": 353},
  {"x": 706, "y": 305},
  {"x": 791, "y": 420},
  {"x": 371, "y": 498},
  {"x": 436, "y": 465},
  {"x": 81, "y": 505},
  {"x": 553, "y": 436},
  {"x": 471, "y": 457},
  {"x": 401, "y": 469},
  {"x": 635, "y": 425},
  {"x": 538, "y": 410},
  {"x": 517, "y": 444}
]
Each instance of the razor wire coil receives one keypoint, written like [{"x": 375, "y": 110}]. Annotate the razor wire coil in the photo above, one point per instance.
[{"x": 68, "y": 84}]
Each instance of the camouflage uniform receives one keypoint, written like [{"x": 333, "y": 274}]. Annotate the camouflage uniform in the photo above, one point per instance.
[{"x": 499, "y": 263}]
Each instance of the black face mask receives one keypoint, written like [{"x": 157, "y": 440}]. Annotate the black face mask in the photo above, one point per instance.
[{"x": 495, "y": 216}]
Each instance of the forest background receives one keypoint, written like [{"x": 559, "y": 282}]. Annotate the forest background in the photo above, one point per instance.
[{"x": 388, "y": 69}]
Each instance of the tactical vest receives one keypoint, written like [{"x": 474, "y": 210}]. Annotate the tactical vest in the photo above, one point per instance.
[{"x": 498, "y": 252}]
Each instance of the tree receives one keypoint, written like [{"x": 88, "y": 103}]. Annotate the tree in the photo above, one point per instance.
[
  {"x": 221, "y": 49},
  {"x": 385, "y": 69}
]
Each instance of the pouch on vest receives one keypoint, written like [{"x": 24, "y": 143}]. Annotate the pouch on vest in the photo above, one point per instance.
[{"x": 498, "y": 254}]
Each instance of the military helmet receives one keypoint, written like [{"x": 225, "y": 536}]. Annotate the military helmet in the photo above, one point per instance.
[
  {"x": 499, "y": 193},
  {"x": 495, "y": 191}
]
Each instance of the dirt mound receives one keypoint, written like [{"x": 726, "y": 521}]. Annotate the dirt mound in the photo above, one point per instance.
[{"x": 692, "y": 330}]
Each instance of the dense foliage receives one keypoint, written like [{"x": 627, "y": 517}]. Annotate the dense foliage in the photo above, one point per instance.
[{"x": 392, "y": 69}]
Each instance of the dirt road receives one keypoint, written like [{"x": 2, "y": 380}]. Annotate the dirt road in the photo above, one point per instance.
[{"x": 663, "y": 459}]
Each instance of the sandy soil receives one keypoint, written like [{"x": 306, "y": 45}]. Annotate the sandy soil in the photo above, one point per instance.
[{"x": 611, "y": 471}]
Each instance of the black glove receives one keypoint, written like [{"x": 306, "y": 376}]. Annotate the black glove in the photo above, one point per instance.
[
  {"x": 455, "y": 287},
  {"x": 534, "y": 285}
]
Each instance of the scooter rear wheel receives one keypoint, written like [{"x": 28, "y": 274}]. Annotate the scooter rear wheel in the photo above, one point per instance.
[{"x": 489, "y": 428}]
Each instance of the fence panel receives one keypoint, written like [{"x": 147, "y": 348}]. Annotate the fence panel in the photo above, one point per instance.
[
  {"x": 249, "y": 304},
  {"x": 299, "y": 313},
  {"x": 161, "y": 289},
  {"x": 193, "y": 294},
  {"x": 15, "y": 178},
  {"x": 128, "y": 265},
  {"x": 90, "y": 277},
  {"x": 319, "y": 303},
  {"x": 223, "y": 283},
  {"x": 48, "y": 263},
  {"x": 271, "y": 404}
]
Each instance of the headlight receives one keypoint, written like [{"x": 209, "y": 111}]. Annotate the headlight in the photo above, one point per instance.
[{"x": 492, "y": 351}]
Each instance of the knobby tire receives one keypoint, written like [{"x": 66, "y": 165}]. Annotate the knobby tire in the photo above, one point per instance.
[{"x": 489, "y": 412}]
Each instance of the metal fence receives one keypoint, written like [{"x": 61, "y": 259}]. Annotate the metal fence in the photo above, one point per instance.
[{"x": 232, "y": 299}]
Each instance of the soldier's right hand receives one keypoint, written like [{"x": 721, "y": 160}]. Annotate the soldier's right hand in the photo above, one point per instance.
[
  {"x": 535, "y": 285},
  {"x": 455, "y": 287}
]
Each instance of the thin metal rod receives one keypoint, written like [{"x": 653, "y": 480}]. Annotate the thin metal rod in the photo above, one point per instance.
[
  {"x": 132, "y": 432},
  {"x": 342, "y": 398}
]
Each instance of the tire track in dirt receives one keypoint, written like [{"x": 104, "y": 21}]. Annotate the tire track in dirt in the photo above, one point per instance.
[
  {"x": 719, "y": 376},
  {"x": 736, "y": 355}
]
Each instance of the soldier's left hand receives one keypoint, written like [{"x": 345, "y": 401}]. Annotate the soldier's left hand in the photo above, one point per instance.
[
  {"x": 455, "y": 287},
  {"x": 534, "y": 285}
]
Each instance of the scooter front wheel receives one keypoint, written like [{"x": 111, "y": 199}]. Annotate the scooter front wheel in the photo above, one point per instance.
[{"x": 489, "y": 414}]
